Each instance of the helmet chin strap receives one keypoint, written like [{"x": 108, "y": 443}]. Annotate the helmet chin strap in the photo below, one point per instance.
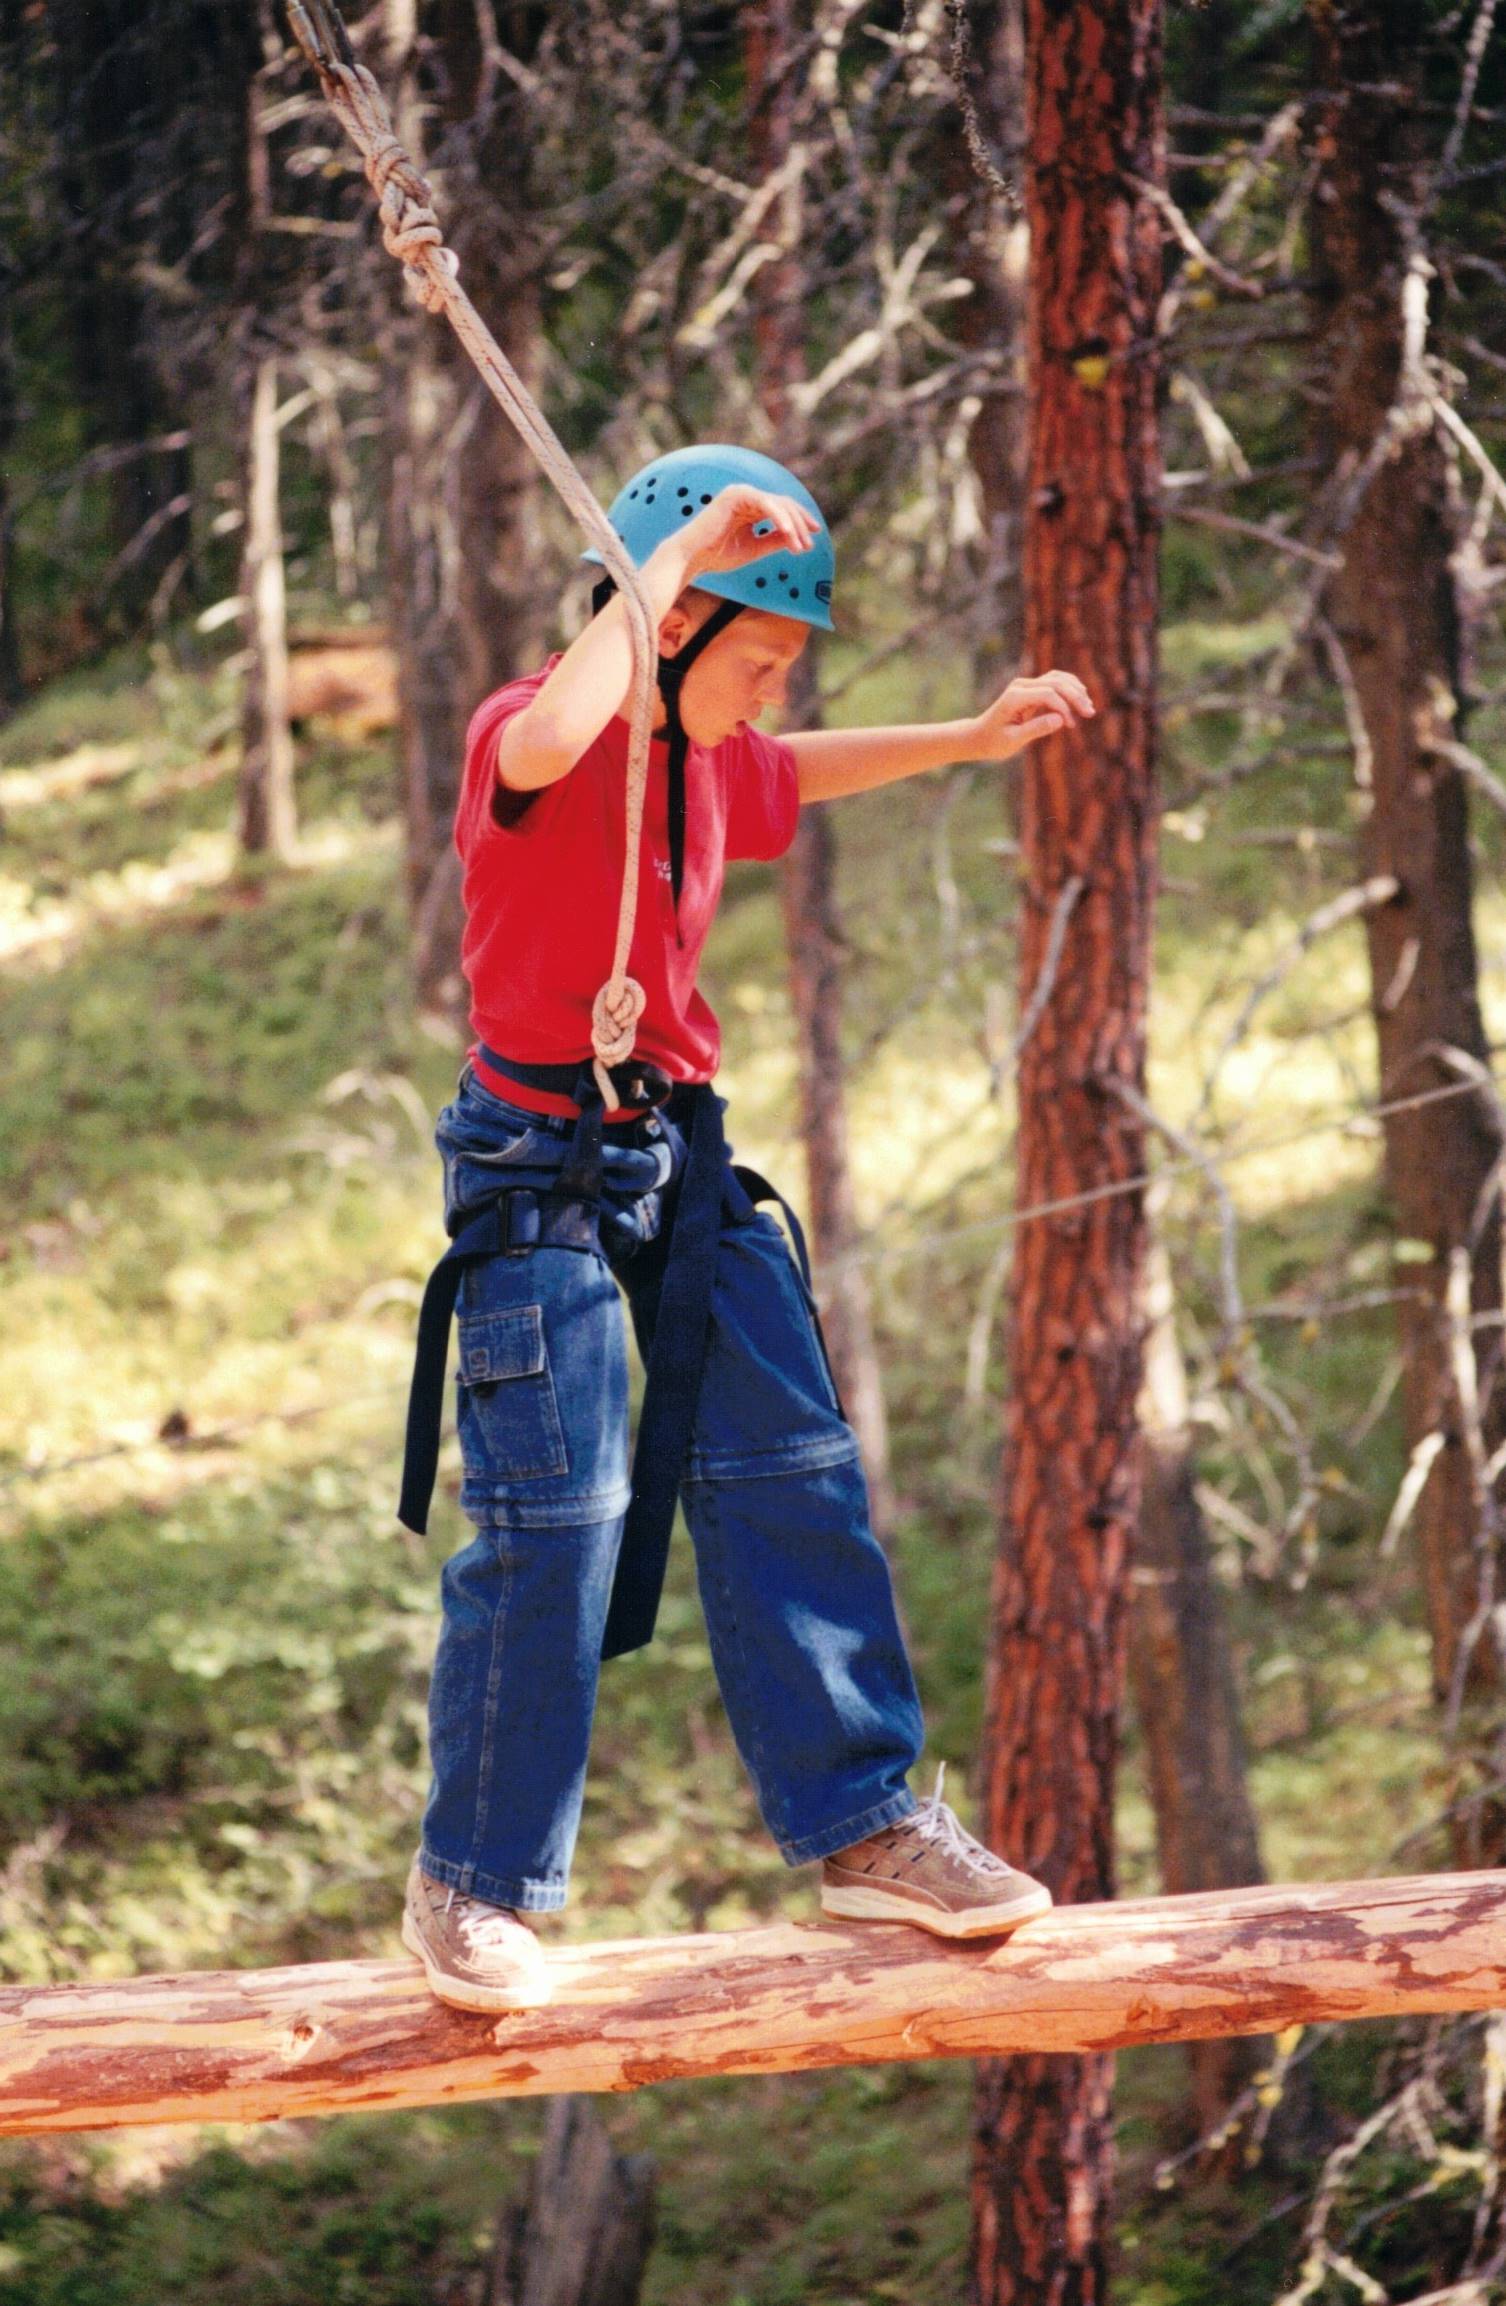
[{"x": 672, "y": 672}]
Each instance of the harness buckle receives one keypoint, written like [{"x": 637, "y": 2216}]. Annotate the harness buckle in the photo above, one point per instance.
[
  {"x": 639, "y": 1082},
  {"x": 521, "y": 1221}
]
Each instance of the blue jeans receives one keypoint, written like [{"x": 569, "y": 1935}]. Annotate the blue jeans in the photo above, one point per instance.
[{"x": 796, "y": 1591}]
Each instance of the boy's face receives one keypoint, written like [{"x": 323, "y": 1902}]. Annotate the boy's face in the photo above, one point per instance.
[{"x": 743, "y": 673}]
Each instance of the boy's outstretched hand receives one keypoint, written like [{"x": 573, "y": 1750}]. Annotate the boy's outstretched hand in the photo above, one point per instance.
[{"x": 1035, "y": 705}]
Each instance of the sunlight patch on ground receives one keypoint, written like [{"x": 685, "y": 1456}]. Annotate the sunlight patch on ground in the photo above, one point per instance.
[
  {"x": 284, "y": 1332},
  {"x": 46, "y": 933},
  {"x": 75, "y": 772}
]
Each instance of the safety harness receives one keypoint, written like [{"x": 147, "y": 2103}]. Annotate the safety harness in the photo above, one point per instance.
[{"x": 710, "y": 1190}]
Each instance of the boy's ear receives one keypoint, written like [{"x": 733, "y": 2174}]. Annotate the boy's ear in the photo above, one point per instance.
[
  {"x": 674, "y": 631},
  {"x": 687, "y": 616}
]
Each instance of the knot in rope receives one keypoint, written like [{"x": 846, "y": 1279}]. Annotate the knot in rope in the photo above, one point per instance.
[
  {"x": 404, "y": 201},
  {"x": 614, "y": 1018}
]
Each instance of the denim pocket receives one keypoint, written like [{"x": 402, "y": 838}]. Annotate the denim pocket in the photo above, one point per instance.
[{"x": 509, "y": 1417}]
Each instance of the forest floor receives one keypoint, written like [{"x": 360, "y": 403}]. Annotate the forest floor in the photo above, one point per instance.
[{"x": 220, "y": 1203}]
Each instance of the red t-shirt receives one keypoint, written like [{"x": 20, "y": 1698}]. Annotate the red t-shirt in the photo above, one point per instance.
[{"x": 542, "y": 880}]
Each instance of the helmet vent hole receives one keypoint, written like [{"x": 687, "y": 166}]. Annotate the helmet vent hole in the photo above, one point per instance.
[
  {"x": 682, "y": 492},
  {"x": 760, "y": 582},
  {"x": 705, "y": 500},
  {"x": 686, "y": 510}
]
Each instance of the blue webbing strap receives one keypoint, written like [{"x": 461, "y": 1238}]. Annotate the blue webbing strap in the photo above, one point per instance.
[
  {"x": 564, "y": 1217},
  {"x": 758, "y": 1188},
  {"x": 673, "y": 1381},
  {"x": 483, "y": 1237},
  {"x": 676, "y": 1358}
]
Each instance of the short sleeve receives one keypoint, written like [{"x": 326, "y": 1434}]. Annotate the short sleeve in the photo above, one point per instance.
[
  {"x": 763, "y": 797},
  {"x": 487, "y": 807}
]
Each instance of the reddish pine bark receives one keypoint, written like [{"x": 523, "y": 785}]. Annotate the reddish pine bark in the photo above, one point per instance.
[{"x": 1071, "y": 1478}]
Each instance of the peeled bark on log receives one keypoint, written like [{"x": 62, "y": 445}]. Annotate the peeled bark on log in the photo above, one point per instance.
[
  {"x": 255, "y": 2045},
  {"x": 1182, "y": 1676}
]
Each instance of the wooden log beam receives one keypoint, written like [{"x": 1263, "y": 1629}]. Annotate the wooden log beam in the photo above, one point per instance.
[{"x": 252, "y": 2045}]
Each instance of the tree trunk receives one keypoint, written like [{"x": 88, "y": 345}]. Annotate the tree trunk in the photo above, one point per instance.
[
  {"x": 462, "y": 559},
  {"x": 1182, "y": 1674},
  {"x": 813, "y": 937},
  {"x": 1070, "y": 1477},
  {"x": 994, "y": 254},
  {"x": 120, "y": 86},
  {"x": 585, "y": 2236},
  {"x": 807, "y": 872},
  {"x": 1400, "y": 639},
  {"x": 266, "y": 814},
  {"x": 11, "y": 689}
]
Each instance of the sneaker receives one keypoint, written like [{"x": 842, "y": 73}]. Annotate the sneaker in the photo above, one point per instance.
[
  {"x": 477, "y": 1956},
  {"x": 929, "y": 1869}
]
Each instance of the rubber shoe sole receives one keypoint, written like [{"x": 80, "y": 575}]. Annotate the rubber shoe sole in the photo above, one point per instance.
[
  {"x": 873, "y": 1904},
  {"x": 469, "y": 1994}
]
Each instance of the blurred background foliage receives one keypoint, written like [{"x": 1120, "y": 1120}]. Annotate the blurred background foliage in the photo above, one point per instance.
[{"x": 220, "y": 1198}]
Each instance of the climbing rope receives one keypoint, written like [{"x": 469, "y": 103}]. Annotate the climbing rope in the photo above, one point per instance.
[{"x": 411, "y": 232}]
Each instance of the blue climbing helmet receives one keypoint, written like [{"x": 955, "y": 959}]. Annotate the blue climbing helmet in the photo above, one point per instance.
[{"x": 651, "y": 506}]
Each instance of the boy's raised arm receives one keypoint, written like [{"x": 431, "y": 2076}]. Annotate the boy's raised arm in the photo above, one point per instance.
[
  {"x": 831, "y": 762},
  {"x": 591, "y": 682}
]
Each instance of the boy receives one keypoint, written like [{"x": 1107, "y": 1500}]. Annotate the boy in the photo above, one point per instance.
[{"x": 555, "y": 1204}]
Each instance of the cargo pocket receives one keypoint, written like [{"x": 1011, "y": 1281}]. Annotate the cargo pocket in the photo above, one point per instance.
[{"x": 509, "y": 1419}]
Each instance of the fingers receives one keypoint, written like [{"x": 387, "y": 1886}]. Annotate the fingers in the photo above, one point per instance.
[
  {"x": 1026, "y": 732},
  {"x": 741, "y": 524},
  {"x": 1060, "y": 690},
  {"x": 778, "y": 520}
]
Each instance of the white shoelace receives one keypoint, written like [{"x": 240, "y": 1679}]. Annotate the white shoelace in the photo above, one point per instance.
[
  {"x": 477, "y": 1921},
  {"x": 940, "y": 1824}
]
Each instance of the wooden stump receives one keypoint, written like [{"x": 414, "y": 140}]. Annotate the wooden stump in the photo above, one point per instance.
[{"x": 585, "y": 2236}]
